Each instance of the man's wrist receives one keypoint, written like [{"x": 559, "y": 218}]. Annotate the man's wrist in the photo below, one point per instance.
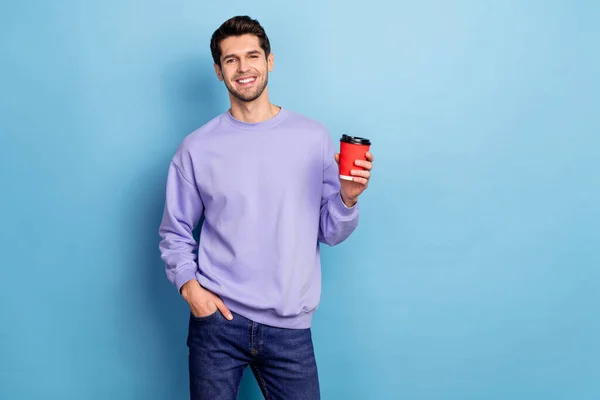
[
  {"x": 188, "y": 286},
  {"x": 348, "y": 202}
]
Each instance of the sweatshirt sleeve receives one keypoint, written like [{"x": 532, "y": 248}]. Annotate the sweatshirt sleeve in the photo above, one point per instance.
[
  {"x": 182, "y": 212},
  {"x": 337, "y": 220}
]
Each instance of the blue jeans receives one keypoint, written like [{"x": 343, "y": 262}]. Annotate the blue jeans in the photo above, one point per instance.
[{"x": 282, "y": 360}]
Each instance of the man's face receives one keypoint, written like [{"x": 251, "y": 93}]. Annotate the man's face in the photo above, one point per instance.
[{"x": 244, "y": 67}]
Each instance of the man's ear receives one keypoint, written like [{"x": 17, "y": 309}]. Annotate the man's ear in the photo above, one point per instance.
[
  {"x": 270, "y": 62},
  {"x": 218, "y": 72}
]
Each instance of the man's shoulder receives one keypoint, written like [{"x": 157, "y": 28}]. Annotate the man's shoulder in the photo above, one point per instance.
[
  {"x": 308, "y": 125},
  {"x": 305, "y": 121},
  {"x": 203, "y": 132},
  {"x": 190, "y": 148}
]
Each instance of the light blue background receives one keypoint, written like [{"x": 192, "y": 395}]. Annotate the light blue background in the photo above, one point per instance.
[{"x": 474, "y": 273}]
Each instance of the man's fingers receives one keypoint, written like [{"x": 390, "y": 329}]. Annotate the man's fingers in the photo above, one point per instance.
[
  {"x": 337, "y": 158},
  {"x": 364, "y": 174},
  {"x": 365, "y": 164},
  {"x": 362, "y": 181},
  {"x": 224, "y": 310},
  {"x": 201, "y": 312}
]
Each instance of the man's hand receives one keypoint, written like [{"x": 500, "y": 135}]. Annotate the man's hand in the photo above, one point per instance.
[
  {"x": 350, "y": 190},
  {"x": 203, "y": 302}
]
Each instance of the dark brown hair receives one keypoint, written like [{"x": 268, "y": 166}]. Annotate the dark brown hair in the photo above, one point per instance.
[{"x": 238, "y": 26}]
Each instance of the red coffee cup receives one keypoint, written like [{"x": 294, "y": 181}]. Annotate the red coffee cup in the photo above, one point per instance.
[{"x": 352, "y": 148}]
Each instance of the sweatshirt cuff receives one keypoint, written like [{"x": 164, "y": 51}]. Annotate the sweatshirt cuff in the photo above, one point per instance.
[
  {"x": 184, "y": 276},
  {"x": 342, "y": 211}
]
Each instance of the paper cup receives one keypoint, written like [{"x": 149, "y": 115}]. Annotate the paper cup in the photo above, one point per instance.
[{"x": 352, "y": 148}]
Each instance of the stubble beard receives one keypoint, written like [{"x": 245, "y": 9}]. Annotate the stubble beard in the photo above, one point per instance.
[{"x": 248, "y": 97}]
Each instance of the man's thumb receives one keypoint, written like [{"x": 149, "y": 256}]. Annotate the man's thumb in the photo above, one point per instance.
[{"x": 224, "y": 310}]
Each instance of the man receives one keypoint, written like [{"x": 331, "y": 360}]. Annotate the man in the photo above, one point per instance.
[{"x": 266, "y": 181}]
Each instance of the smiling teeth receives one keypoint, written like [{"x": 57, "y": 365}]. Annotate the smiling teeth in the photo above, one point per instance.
[{"x": 246, "y": 80}]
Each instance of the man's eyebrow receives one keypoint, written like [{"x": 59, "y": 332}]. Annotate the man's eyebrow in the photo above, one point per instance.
[{"x": 248, "y": 53}]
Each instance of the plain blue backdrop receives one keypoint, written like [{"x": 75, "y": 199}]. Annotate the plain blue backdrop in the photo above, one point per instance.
[{"x": 474, "y": 273}]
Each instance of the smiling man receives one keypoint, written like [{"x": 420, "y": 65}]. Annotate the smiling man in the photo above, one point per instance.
[{"x": 266, "y": 181}]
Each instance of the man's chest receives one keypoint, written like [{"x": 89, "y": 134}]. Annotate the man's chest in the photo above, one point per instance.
[{"x": 237, "y": 172}]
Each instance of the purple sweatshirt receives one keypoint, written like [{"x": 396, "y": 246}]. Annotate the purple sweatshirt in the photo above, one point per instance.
[{"x": 269, "y": 193}]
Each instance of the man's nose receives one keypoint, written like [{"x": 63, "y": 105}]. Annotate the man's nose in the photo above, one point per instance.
[{"x": 242, "y": 66}]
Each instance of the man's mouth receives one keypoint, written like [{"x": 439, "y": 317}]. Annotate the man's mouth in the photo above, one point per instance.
[{"x": 246, "y": 81}]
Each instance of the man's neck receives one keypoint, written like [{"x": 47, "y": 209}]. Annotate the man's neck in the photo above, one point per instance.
[{"x": 258, "y": 110}]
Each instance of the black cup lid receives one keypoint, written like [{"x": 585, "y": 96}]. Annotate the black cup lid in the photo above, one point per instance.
[{"x": 355, "y": 140}]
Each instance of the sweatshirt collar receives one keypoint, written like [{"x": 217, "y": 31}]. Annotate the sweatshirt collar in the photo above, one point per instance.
[{"x": 251, "y": 126}]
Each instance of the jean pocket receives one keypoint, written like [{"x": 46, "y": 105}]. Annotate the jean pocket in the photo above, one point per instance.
[{"x": 205, "y": 317}]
